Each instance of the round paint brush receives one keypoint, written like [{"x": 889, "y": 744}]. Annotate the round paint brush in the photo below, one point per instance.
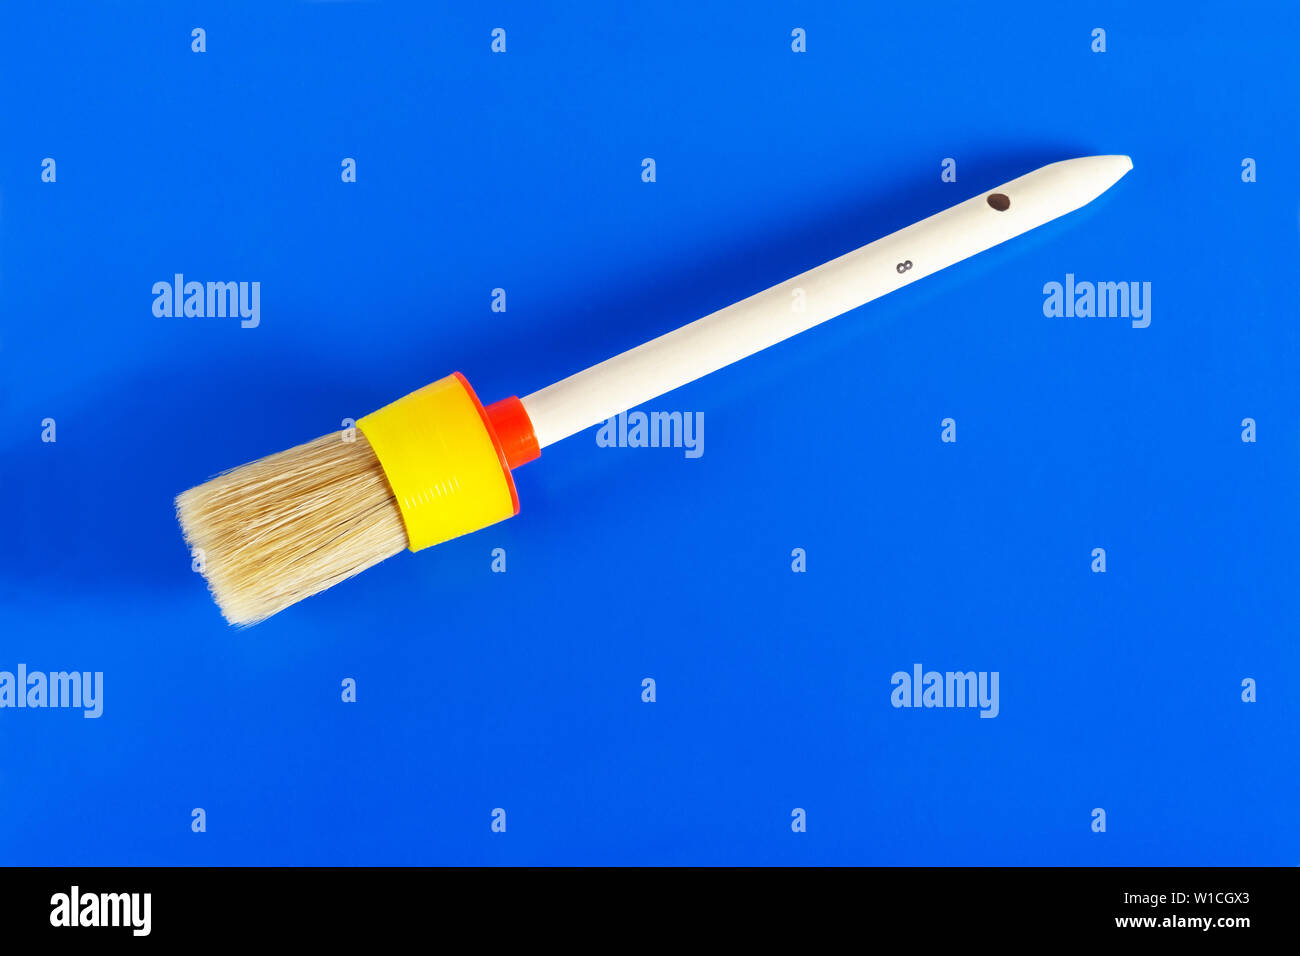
[{"x": 437, "y": 463}]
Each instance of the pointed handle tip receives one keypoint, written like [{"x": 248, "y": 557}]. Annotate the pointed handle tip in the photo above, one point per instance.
[
  {"x": 1090, "y": 176},
  {"x": 1112, "y": 167}
]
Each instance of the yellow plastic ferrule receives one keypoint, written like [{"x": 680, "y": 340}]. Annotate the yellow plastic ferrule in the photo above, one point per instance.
[{"x": 443, "y": 461}]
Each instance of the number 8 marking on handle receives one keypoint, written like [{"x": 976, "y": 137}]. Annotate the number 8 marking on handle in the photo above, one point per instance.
[{"x": 903, "y": 266}]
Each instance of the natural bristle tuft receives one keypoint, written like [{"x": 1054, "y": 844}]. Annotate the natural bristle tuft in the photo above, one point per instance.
[{"x": 280, "y": 529}]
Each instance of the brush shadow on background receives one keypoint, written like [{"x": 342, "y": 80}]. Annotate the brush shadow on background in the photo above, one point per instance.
[{"x": 255, "y": 402}]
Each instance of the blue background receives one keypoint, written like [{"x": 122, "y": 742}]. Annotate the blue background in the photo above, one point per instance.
[{"x": 522, "y": 690}]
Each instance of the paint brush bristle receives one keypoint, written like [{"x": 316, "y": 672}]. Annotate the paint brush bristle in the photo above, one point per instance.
[{"x": 280, "y": 529}]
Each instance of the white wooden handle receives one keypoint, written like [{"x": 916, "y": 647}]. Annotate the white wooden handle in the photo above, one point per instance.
[{"x": 751, "y": 325}]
